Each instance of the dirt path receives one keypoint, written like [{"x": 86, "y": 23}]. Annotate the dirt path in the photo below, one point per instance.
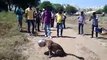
[{"x": 74, "y": 44}]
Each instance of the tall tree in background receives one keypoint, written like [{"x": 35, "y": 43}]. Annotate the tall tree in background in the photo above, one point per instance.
[
  {"x": 4, "y": 4},
  {"x": 58, "y": 7},
  {"x": 24, "y": 3},
  {"x": 46, "y": 4},
  {"x": 70, "y": 9},
  {"x": 105, "y": 9}
]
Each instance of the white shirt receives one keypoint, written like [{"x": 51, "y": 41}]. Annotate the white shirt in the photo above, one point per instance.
[{"x": 81, "y": 19}]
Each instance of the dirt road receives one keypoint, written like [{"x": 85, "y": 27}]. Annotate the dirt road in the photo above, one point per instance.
[{"x": 80, "y": 47}]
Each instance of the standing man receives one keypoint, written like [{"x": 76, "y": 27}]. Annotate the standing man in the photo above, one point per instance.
[
  {"x": 64, "y": 19},
  {"x": 42, "y": 20},
  {"x": 29, "y": 15},
  {"x": 19, "y": 13},
  {"x": 38, "y": 18},
  {"x": 59, "y": 18},
  {"x": 94, "y": 19},
  {"x": 47, "y": 22},
  {"x": 52, "y": 20},
  {"x": 81, "y": 22}
]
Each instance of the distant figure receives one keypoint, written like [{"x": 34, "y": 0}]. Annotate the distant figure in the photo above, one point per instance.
[
  {"x": 103, "y": 14},
  {"x": 64, "y": 19},
  {"x": 38, "y": 18},
  {"x": 47, "y": 22},
  {"x": 29, "y": 15},
  {"x": 19, "y": 13},
  {"x": 52, "y": 20},
  {"x": 59, "y": 18},
  {"x": 94, "y": 19},
  {"x": 42, "y": 22},
  {"x": 81, "y": 22}
]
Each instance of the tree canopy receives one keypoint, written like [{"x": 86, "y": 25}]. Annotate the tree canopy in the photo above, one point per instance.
[
  {"x": 23, "y": 3},
  {"x": 105, "y": 9},
  {"x": 70, "y": 9},
  {"x": 58, "y": 7},
  {"x": 45, "y": 4}
]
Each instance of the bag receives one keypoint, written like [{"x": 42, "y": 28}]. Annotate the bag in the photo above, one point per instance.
[{"x": 99, "y": 30}]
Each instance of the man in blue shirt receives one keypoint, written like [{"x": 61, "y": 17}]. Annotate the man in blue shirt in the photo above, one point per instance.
[
  {"x": 94, "y": 19},
  {"x": 19, "y": 13}
]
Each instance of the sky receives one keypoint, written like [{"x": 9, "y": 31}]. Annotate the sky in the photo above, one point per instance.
[{"x": 81, "y": 3}]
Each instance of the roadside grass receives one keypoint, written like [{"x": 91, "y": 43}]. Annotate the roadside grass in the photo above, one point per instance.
[{"x": 11, "y": 40}]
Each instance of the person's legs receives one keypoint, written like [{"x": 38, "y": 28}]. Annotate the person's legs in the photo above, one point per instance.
[
  {"x": 45, "y": 28},
  {"x": 57, "y": 29},
  {"x": 79, "y": 28},
  {"x": 33, "y": 26},
  {"x": 64, "y": 24},
  {"x": 28, "y": 24},
  {"x": 82, "y": 28},
  {"x": 19, "y": 21},
  {"x": 18, "y": 24},
  {"x": 35, "y": 23},
  {"x": 92, "y": 31},
  {"x": 38, "y": 25},
  {"x": 52, "y": 23},
  {"x": 61, "y": 25},
  {"x": 49, "y": 30},
  {"x": 96, "y": 31}
]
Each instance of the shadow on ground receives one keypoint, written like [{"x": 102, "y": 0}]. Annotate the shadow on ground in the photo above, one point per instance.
[
  {"x": 68, "y": 28},
  {"x": 63, "y": 37},
  {"x": 102, "y": 38},
  {"x": 40, "y": 35},
  {"x": 24, "y": 31},
  {"x": 80, "y": 58},
  {"x": 87, "y": 34}
]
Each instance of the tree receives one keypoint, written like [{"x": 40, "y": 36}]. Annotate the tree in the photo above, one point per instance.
[
  {"x": 99, "y": 11},
  {"x": 3, "y": 5},
  {"x": 58, "y": 7},
  {"x": 46, "y": 4},
  {"x": 70, "y": 9},
  {"x": 24, "y": 3},
  {"x": 105, "y": 8}
]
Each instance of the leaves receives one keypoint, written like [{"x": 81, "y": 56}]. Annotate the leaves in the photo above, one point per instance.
[
  {"x": 45, "y": 4},
  {"x": 70, "y": 9},
  {"x": 105, "y": 8}
]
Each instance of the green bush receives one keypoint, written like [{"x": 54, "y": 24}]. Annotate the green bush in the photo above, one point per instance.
[{"x": 10, "y": 39}]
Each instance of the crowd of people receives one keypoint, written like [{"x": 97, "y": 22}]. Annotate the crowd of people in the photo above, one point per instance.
[
  {"x": 95, "y": 26},
  {"x": 46, "y": 18}
]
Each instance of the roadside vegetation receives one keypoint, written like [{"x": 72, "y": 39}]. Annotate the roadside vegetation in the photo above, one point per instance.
[{"x": 11, "y": 41}]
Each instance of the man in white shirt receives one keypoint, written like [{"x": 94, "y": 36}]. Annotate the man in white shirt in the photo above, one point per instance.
[{"x": 81, "y": 21}]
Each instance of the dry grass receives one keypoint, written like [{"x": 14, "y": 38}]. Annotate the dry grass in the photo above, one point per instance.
[{"x": 11, "y": 41}]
